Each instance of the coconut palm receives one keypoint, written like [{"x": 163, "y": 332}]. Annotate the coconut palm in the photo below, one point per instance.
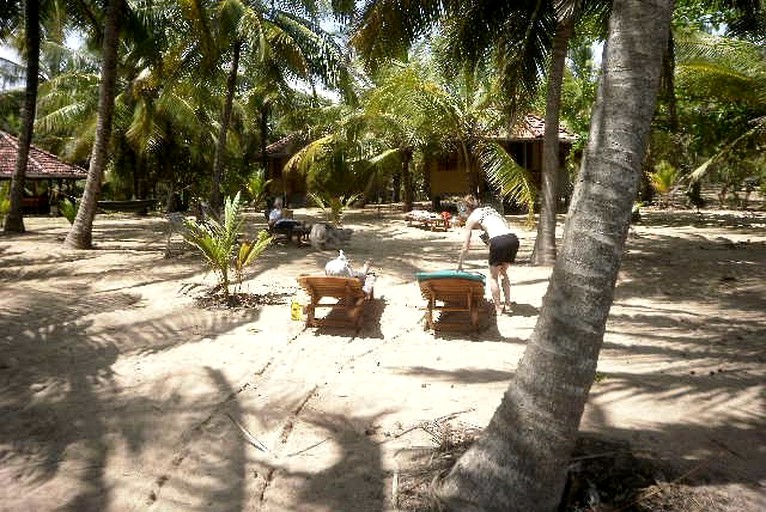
[
  {"x": 48, "y": 14},
  {"x": 521, "y": 38},
  {"x": 411, "y": 111},
  {"x": 518, "y": 464},
  {"x": 729, "y": 72},
  {"x": 217, "y": 241},
  {"x": 81, "y": 233},
  {"x": 277, "y": 41},
  {"x": 14, "y": 221}
]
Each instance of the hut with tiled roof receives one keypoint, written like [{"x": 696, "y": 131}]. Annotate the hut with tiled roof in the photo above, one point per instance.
[
  {"x": 524, "y": 144},
  {"x": 290, "y": 186},
  {"x": 44, "y": 170}
]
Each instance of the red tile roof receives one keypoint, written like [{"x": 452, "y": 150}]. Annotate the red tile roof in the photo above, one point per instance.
[
  {"x": 41, "y": 164},
  {"x": 533, "y": 127}
]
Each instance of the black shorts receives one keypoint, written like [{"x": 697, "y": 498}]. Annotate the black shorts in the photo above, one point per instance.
[{"x": 503, "y": 249}]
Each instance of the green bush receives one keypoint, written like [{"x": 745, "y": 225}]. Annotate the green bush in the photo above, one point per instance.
[
  {"x": 334, "y": 207},
  {"x": 5, "y": 202},
  {"x": 68, "y": 209},
  {"x": 217, "y": 241},
  {"x": 664, "y": 181}
]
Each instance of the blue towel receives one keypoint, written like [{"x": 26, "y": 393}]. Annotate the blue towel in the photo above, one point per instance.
[{"x": 444, "y": 274}]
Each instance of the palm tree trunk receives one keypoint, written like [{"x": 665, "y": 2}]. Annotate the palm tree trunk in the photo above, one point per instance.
[
  {"x": 14, "y": 221},
  {"x": 545, "y": 244},
  {"x": 520, "y": 462},
  {"x": 263, "y": 122},
  {"x": 409, "y": 192},
  {"x": 220, "y": 147},
  {"x": 668, "y": 84},
  {"x": 80, "y": 236}
]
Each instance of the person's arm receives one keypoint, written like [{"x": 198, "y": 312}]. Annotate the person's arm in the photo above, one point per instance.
[{"x": 470, "y": 222}]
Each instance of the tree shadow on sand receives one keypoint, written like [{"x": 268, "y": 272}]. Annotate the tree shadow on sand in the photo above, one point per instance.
[{"x": 62, "y": 406}]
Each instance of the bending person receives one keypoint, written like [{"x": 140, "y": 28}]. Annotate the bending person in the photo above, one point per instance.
[{"x": 503, "y": 246}]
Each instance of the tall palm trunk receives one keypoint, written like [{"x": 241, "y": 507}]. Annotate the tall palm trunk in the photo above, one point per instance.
[
  {"x": 519, "y": 463},
  {"x": 408, "y": 191},
  {"x": 545, "y": 244},
  {"x": 14, "y": 221},
  {"x": 220, "y": 147},
  {"x": 80, "y": 236},
  {"x": 263, "y": 123}
]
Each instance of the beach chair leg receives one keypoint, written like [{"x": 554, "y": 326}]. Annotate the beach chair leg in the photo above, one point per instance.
[
  {"x": 430, "y": 313},
  {"x": 310, "y": 310}
]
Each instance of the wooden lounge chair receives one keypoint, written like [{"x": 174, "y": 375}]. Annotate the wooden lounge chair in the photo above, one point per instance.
[
  {"x": 453, "y": 292},
  {"x": 347, "y": 300}
]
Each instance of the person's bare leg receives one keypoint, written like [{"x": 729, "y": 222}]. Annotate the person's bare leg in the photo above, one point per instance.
[
  {"x": 494, "y": 287},
  {"x": 506, "y": 285}
]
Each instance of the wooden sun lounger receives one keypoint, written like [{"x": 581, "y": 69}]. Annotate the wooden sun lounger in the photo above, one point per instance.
[
  {"x": 349, "y": 302},
  {"x": 448, "y": 292},
  {"x": 427, "y": 220}
]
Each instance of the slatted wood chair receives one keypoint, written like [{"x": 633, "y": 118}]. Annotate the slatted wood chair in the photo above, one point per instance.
[
  {"x": 174, "y": 234},
  {"x": 346, "y": 300},
  {"x": 449, "y": 292}
]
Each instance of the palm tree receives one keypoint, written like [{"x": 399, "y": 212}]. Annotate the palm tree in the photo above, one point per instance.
[
  {"x": 545, "y": 243},
  {"x": 274, "y": 41},
  {"x": 81, "y": 233},
  {"x": 14, "y": 221},
  {"x": 409, "y": 112},
  {"x": 523, "y": 38},
  {"x": 519, "y": 463},
  {"x": 728, "y": 72}
]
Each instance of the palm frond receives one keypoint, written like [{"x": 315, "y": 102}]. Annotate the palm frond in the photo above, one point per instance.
[
  {"x": 700, "y": 172},
  {"x": 512, "y": 180},
  {"x": 306, "y": 156}
]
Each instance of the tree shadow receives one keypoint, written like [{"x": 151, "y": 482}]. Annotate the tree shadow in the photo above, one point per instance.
[
  {"x": 60, "y": 400},
  {"x": 356, "y": 480}
]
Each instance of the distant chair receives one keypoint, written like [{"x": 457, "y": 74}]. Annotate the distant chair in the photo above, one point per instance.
[{"x": 175, "y": 227}]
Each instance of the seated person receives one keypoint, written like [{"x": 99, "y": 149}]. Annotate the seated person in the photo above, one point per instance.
[
  {"x": 341, "y": 267},
  {"x": 277, "y": 221}
]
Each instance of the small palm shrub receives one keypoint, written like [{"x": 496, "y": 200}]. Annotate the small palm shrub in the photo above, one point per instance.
[
  {"x": 257, "y": 187},
  {"x": 68, "y": 209},
  {"x": 664, "y": 181},
  {"x": 333, "y": 207},
  {"x": 5, "y": 202},
  {"x": 217, "y": 241}
]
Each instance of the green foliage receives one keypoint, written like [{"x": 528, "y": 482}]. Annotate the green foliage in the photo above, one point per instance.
[
  {"x": 333, "y": 207},
  {"x": 721, "y": 84},
  {"x": 512, "y": 180},
  {"x": 257, "y": 187},
  {"x": 217, "y": 241},
  {"x": 248, "y": 252},
  {"x": 5, "y": 202},
  {"x": 664, "y": 181},
  {"x": 68, "y": 209}
]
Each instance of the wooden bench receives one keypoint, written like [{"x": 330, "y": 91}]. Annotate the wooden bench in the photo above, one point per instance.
[
  {"x": 453, "y": 292},
  {"x": 347, "y": 299}
]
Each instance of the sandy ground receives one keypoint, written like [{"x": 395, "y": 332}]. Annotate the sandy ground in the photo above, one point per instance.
[{"x": 117, "y": 393}]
